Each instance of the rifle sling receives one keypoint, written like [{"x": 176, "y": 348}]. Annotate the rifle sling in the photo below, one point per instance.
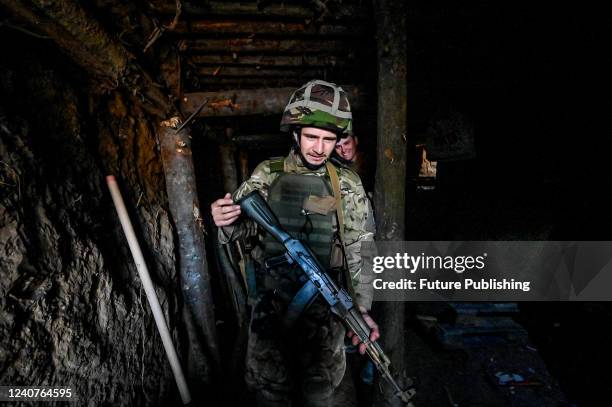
[
  {"x": 335, "y": 181},
  {"x": 302, "y": 300}
]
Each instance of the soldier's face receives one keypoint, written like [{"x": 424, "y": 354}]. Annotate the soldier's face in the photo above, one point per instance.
[
  {"x": 316, "y": 145},
  {"x": 347, "y": 148}
]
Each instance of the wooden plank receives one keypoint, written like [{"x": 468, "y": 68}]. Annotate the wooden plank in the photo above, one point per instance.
[
  {"x": 214, "y": 27},
  {"x": 269, "y": 10},
  {"x": 254, "y": 72},
  {"x": 268, "y": 60},
  {"x": 216, "y": 84},
  {"x": 255, "y": 45},
  {"x": 239, "y": 102}
]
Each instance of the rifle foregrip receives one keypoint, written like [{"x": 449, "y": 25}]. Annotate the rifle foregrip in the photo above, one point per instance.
[{"x": 360, "y": 322}]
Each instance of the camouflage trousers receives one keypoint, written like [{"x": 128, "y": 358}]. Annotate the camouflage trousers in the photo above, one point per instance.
[{"x": 305, "y": 362}]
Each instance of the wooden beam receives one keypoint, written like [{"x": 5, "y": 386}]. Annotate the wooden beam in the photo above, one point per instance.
[
  {"x": 91, "y": 47},
  {"x": 392, "y": 113},
  {"x": 237, "y": 102},
  {"x": 390, "y": 189},
  {"x": 241, "y": 102},
  {"x": 256, "y": 72},
  {"x": 214, "y": 27},
  {"x": 270, "y": 10},
  {"x": 256, "y": 45},
  {"x": 268, "y": 60},
  {"x": 216, "y": 84},
  {"x": 47, "y": 26}
]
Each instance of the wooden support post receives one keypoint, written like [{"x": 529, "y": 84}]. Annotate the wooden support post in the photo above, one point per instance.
[
  {"x": 244, "y": 164},
  {"x": 228, "y": 163},
  {"x": 187, "y": 217},
  {"x": 390, "y": 190}
]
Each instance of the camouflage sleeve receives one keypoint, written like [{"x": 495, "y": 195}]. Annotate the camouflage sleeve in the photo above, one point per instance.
[
  {"x": 259, "y": 180},
  {"x": 358, "y": 228}
]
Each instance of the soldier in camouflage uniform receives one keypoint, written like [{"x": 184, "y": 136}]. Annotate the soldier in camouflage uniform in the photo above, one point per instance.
[
  {"x": 346, "y": 147},
  {"x": 349, "y": 156},
  {"x": 306, "y": 358}
]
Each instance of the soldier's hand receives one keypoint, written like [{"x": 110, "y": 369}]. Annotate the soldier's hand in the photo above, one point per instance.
[
  {"x": 224, "y": 211},
  {"x": 374, "y": 333}
]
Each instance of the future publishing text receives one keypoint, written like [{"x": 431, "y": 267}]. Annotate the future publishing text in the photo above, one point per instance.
[{"x": 457, "y": 265}]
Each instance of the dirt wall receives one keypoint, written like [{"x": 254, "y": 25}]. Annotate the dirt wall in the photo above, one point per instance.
[{"x": 72, "y": 311}]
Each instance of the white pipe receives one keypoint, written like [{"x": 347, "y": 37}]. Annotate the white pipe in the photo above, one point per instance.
[{"x": 149, "y": 290}]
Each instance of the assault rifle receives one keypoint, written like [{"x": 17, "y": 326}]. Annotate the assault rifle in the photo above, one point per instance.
[{"x": 340, "y": 302}]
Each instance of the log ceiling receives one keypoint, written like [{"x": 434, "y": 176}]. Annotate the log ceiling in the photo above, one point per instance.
[
  {"x": 245, "y": 45},
  {"x": 180, "y": 47}
]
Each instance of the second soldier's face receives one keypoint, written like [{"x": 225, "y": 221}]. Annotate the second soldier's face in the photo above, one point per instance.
[
  {"x": 347, "y": 148},
  {"x": 316, "y": 144}
]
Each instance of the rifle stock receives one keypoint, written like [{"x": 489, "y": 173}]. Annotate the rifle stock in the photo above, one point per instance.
[{"x": 254, "y": 206}]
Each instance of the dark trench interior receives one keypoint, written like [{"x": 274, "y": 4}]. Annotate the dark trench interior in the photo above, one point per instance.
[{"x": 525, "y": 78}]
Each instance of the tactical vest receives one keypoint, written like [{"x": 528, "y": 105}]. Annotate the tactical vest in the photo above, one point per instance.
[
  {"x": 306, "y": 207},
  {"x": 301, "y": 204}
]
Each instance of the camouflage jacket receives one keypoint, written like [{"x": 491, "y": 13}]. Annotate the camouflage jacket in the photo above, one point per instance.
[{"x": 358, "y": 217}]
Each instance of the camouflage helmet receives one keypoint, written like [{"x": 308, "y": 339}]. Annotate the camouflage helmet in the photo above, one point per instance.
[{"x": 319, "y": 104}]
